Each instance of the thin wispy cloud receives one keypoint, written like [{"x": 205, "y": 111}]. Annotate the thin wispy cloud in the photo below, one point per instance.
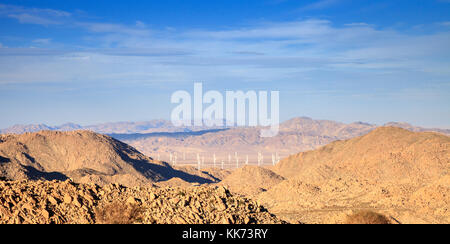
[
  {"x": 358, "y": 24},
  {"x": 286, "y": 30},
  {"x": 42, "y": 41},
  {"x": 32, "y": 51},
  {"x": 320, "y": 5},
  {"x": 33, "y": 19},
  {"x": 283, "y": 50},
  {"x": 48, "y": 17},
  {"x": 5, "y": 8},
  {"x": 138, "y": 30},
  {"x": 133, "y": 52},
  {"x": 37, "y": 16}
]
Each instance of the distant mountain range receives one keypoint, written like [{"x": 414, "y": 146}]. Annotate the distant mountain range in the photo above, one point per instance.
[
  {"x": 159, "y": 138},
  {"x": 143, "y": 127},
  {"x": 160, "y": 125},
  {"x": 106, "y": 128}
]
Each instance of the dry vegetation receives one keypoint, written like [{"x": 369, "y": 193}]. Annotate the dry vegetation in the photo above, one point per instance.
[
  {"x": 367, "y": 218},
  {"x": 119, "y": 213}
]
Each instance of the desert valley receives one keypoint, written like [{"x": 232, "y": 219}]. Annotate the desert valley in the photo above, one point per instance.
[{"x": 326, "y": 171}]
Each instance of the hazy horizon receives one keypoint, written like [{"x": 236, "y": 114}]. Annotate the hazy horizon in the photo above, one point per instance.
[{"x": 168, "y": 120}]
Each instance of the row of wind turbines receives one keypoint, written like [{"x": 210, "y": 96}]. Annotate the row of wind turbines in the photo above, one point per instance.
[{"x": 233, "y": 161}]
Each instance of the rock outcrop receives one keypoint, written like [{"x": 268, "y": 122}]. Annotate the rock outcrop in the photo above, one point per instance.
[{"x": 44, "y": 202}]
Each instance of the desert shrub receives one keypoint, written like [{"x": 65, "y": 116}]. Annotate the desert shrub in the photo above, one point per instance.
[
  {"x": 367, "y": 217},
  {"x": 118, "y": 213}
]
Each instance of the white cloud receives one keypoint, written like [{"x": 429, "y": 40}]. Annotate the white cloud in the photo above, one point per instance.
[
  {"x": 34, "y": 15},
  {"x": 358, "y": 24},
  {"x": 4, "y": 8},
  {"x": 32, "y": 19},
  {"x": 49, "y": 17},
  {"x": 140, "y": 24}
]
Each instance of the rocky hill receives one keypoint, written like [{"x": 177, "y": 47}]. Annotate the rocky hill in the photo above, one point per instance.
[
  {"x": 403, "y": 174},
  {"x": 44, "y": 202},
  {"x": 83, "y": 156},
  {"x": 385, "y": 154}
]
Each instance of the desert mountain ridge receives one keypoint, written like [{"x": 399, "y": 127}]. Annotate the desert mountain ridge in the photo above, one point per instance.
[
  {"x": 399, "y": 150},
  {"x": 83, "y": 156},
  {"x": 401, "y": 173}
]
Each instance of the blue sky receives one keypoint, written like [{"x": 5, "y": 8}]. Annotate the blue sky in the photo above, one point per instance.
[{"x": 103, "y": 61}]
